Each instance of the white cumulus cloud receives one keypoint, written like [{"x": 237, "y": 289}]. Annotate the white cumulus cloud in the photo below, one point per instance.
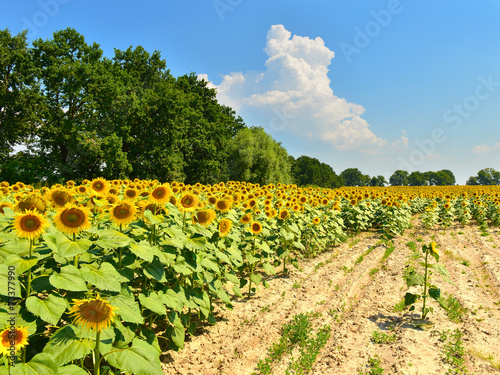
[
  {"x": 293, "y": 94},
  {"x": 484, "y": 149}
]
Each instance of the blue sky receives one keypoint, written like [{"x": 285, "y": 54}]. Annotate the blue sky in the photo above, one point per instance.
[{"x": 376, "y": 85}]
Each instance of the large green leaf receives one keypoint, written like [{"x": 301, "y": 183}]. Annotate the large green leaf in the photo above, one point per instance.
[
  {"x": 68, "y": 248},
  {"x": 171, "y": 300},
  {"x": 49, "y": 309},
  {"x": 140, "y": 359},
  {"x": 179, "y": 333},
  {"x": 72, "y": 370},
  {"x": 105, "y": 276},
  {"x": 153, "y": 302},
  {"x": 111, "y": 239},
  {"x": 211, "y": 265},
  {"x": 197, "y": 242},
  {"x": 67, "y": 344},
  {"x": 69, "y": 278},
  {"x": 414, "y": 279},
  {"x": 22, "y": 265},
  {"x": 40, "y": 364},
  {"x": 154, "y": 270},
  {"x": 443, "y": 271},
  {"x": 143, "y": 250},
  {"x": 127, "y": 308}
]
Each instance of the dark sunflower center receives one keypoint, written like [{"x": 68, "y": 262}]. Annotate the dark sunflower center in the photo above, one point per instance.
[{"x": 30, "y": 223}]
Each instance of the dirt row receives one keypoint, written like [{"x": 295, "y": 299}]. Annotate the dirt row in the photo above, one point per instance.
[{"x": 356, "y": 296}]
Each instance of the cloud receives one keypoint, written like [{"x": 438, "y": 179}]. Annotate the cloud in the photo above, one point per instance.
[
  {"x": 483, "y": 149},
  {"x": 402, "y": 143},
  {"x": 293, "y": 94}
]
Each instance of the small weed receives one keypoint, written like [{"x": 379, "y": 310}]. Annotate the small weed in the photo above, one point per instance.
[
  {"x": 317, "y": 266},
  {"x": 388, "y": 251},
  {"x": 373, "y": 271},
  {"x": 453, "y": 351},
  {"x": 374, "y": 364},
  {"x": 412, "y": 245},
  {"x": 346, "y": 269},
  {"x": 265, "y": 309},
  {"x": 491, "y": 358},
  {"x": 383, "y": 338},
  {"x": 296, "y": 285},
  {"x": 465, "y": 263},
  {"x": 321, "y": 302},
  {"x": 359, "y": 260},
  {"x": 399, "y": 307},
  {"x": 454, "y": 310}
]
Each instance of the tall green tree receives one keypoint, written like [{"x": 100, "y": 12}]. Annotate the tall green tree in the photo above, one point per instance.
[
  {"x": 378, "y": 181},
  {"x": 488, "y": 176},
  {"x": 254, "y": 156},
  {"x": 354, "y": 177},
  {"x": 416, "y": 178},
  {"x": 310, "y": 171},
  {"x": 19, "y": 99},
  {"x": 399, "y": 178},
  {"x": 445, "y": 177}
]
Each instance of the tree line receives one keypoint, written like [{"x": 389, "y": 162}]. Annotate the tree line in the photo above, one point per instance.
[{"x": 81, "y": 115}]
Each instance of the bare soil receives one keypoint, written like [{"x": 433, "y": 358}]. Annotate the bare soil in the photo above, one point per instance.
[{"x": 339, "y": 286}]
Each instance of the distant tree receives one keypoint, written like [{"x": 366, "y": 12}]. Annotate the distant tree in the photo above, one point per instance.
[
  {"x": 416, "y": 178},
  {"x": 254, "y": 156},
  {"x": 430, "y": 178},
  {"x": 399, "y": 178},
  {"x": 488, "y": 176},
  {"x": 445, "y": 177},
  {"x": 378, "y": 181},
  {"x": 472, "y": 181},
  {"x": 354, "y": 177},
  {"x": 310, "y": 171}
]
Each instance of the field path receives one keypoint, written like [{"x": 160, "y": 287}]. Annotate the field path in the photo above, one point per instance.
[{"x": 355, "y": 291}]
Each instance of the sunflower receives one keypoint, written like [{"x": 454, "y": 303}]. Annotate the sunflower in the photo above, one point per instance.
[
  {"x": 256, "y": 227},
  {"x": 353, "y": 202},
  {"x": 59, "y": 197},
  {"x": 82, "y": 189},
  {"x": 96, "y": 313},
  {"x": 9, "y": 338},
  {"x": 188, "y": 202},
  {"x": 130, "y": 194},
  {"x": 123, "y": 213},
  {"x": 32, "y": 202},
  {"x": 246, "y": 218},
  {"x": 5, "y": 205},
  {"x": 316, "y": 220},
  {"x": 204, "y": 217},
  {"x": 433, "y": 247},
  {"x": 30, "y": 224},
  {"x": 225, "y": 227},
  {"x": 161, "y": 194},
  {"x": 72, "y": 219},
  {"x": 155, "y": 208},
  {"x": 99, "y": 186},
  {"x": 284, "y": 214},
  {"x": 223, "y": 205}
]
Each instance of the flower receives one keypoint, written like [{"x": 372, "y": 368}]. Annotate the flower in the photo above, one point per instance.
[
  {"x": 72, "y": 219},
  {"x": 123, "y": 213},
  {"x": 30, "y": 224},
  {"x": 256, "y": 227},
  {"x": 433, "y": 247},
  {"x": 160, "y": 194},
  {"x": 316, "y": 220},
  {"x": 99, "y": 186},
  {"x": 284, "y": 214},
  {"x": 16, "y": 335},
  {"x": 224, "y": 227},
  {"x": 188, "y": 202},
  {"x": 204, "y": 217},
  {"x": 245, "y": 219},
  {"x": 223, "y": 205},
  {"x": 95, "y": 313}
]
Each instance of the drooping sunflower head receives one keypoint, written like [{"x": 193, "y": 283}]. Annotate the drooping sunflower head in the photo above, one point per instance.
[
  {"x": 96, "y": 313},
  {"x": 204, "y": 217},
  {"x": 161, "y": 194},
  {"x": 225, "y": 227},
  {"x": 188, "y": 202},
  {"x": 30, "y": 224},
  {"x": 99, "y": 186},
  {"x": 123, "y": 213},
  {"x": 18, "y": 335},
  {"x": 72, "y": 219},
  {"x": 59, "y": 197},
  {"x": 245, "y": 219},
  {"x": 33, "y": 203},
  {"x": 256, "y": 227}
]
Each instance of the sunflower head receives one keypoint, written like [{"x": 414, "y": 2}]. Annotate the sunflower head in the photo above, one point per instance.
[
  {"x": 96, "y": 313},
  {"x": 30, "y": 224},
  {"x": 316, "y": 220},
  {"x": 32, "y": 202},
  {"x": 59, "y": 197},
  {"x": 284, "y": 214},
  {"x": 188, "y": 202},
  {"x": 99, "y": 186},
  {"x": 204, "y": 217},
  {"x": 123, "y": 213},
  {"x": 161, "y": 194},
  {"x": 246, "y": 218},
  {"x": 17, "y": 335},
  {"x": 225, "y": 227},
  {"x": 256, "y": 227},
  {"x": 72, "y": 219}
]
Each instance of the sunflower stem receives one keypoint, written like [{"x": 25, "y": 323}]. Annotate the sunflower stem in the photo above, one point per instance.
[
  {"x": 28, "y": 284},
  {"x": 184, "y": 221},
  {"x": 97, "y": 355},
  {"x": 251, "y": 269}
]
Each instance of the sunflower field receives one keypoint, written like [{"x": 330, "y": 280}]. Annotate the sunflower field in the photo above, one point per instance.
[{"x": 104, "y": 276}]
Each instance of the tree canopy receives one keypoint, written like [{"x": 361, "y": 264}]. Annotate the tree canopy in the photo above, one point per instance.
[{"x": 310, "y": 171}]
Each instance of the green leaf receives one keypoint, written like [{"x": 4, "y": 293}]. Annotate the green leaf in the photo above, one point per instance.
[
  {"x": 154, "y": 270},
  {"x": 197, "y": 242},
  {"x": 153, "y": 302},
  {"x": 414, "y": 279},
  {"x": 153, "y": 219},
  {"x": 237, "y": 291},
  {"x": 69, "y": 278},
  {"x": 171, "y": 300},
  {"x": 68, "y": 249},
  {"x": 143, "y": 250},
  {"x": 435, "y": 293},
  {"x": 40, "y": 364},
  {"x": 67, "y": 344},
  {"x": 442, "y": 270},
  {"x": 140, "y": 359},
  {"x": 410, "y": 299},
  {"x": 111, "y": 239},
  {"x": 178, "y": 336},
  {"x": 127, "y": 308},
  {"x": 222, "y": 256},
  {"x": 5, "y": 283},
  {"x": 269, "y": 269},
  {"x": 104, "y": 277},
  {"x": 72, "y": 370},
  {"x": 211, "y": 265},
  {"x": 22, "y": 265},
  {"x": 232, "y": 277},
  {"x": 256, "y": 278},
  {"x": 49, "y": 309}
]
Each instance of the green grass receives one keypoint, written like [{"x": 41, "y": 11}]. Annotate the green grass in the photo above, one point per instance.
[
  {"x": 374, "y": 367},
  {"x": 388, "y": 251},
  {"x": 453, "y": 351},
  {"x": 383, "y": 338}
]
